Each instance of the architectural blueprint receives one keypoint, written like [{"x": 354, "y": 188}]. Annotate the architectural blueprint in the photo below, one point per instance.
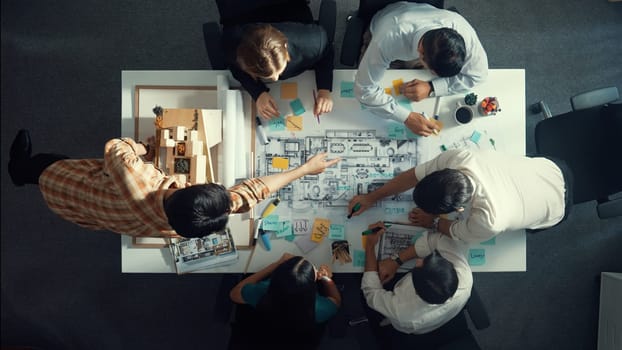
[{"x": 367, "y": 163}]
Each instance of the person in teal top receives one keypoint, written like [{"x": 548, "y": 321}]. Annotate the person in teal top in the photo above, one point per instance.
[{"x": 290, "y": 295}]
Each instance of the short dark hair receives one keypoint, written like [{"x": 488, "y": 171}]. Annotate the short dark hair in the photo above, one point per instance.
[
  {"x": 198, "y": 210},
  {"x": 436, "y": 280},
  {"x": 444, "y": 51},
  {"x": 443, "y": 191}
]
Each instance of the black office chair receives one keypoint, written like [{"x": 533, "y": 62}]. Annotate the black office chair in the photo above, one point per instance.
[
  {"x": 587, "y": 138},
  {"x": 234, "y": 12},
  {"x": 357, "y": 23}
]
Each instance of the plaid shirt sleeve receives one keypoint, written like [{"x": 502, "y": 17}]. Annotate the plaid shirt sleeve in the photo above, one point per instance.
[
  {"x": 130, "y": 175},
  {"x": 247, "y": 194}
]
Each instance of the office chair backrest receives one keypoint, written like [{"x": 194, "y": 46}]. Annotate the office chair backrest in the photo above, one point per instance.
[
  {"x": 594, "y": 98},
  {"x": 368, "y": 8}
]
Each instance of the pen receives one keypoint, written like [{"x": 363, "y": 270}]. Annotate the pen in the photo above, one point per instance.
[
  {"x": 257, "y": 227},
  {"x": 356, "y": 208},
  {"x": 317, "y": 116},
  {"x": 432, "y": 120},
  {"x": 374, "y": 230},
  {"x": 270, "y": 208}
]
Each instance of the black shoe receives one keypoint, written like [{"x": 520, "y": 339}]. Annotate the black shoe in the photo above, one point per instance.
[{"x": 21, "y": 149}]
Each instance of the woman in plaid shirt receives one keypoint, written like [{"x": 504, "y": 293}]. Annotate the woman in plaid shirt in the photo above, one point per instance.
[{"x": 121, "y": 193}]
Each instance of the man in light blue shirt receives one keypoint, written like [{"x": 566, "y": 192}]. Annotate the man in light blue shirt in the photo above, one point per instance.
[{"x": 442, "y": 40}]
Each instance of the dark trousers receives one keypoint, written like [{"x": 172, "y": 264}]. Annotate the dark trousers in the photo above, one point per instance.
[{"x": 32, "y": 167}]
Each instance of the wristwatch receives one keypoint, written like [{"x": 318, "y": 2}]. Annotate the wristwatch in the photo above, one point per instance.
[
  {"x": 432, "y": 93},
  {"x": 435, "y": 223},
  {"x": 396, "y": 257}
]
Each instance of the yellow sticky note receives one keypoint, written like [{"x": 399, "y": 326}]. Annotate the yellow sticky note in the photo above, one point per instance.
[
  {"x": 289, "y": 91},
  {"x": 397, "y": 84},
  {"x": 320, "y": 229},
  {"x": 280, "y": 163},
  {"x": 363, "y": 241},
  {"x": 293, "y": 123},
  {"x": 388, "y": 91}
]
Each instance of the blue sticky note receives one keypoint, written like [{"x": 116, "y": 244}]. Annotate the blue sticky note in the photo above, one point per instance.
[
  {"x": 297, "y": 107},
  {"x": 290, "y": 238},
  {"x": 404, "y": 102},
  {"x": 477, "y": 257},
  {"x": 277, "y": 124},
  {"x": 358, "y": 259},
  {"x": 337, "y": 232},
  {"x": 491, "y": 241},
  {"x": 347, "y": 89},
  {"x": 415, "y": 237},
  {"x": 475, "y": 136},
  {"x": 271, "y": 223}
]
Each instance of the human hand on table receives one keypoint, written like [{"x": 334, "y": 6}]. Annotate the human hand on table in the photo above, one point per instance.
[
  {"x": 419, "y": 124},
  {"x": 363, "y": 200},
  {"x": 416, "y": 90},
  {"x": 324, "y": 102},
  {"x": 324, "y": 271},
  {"x": 318, "y": 163},
  {"x": 266, "y": 106}
]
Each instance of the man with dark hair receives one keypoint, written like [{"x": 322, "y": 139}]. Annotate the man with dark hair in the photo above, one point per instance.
[
  {"x": 427, "y": 297},
  {"x": 441, "y": 41},
  {"x": 123, "y": 194},
  {"x": 491, "y": 192}
]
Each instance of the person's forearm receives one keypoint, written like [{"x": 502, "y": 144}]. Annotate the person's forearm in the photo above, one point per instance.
[
  {"x": 277, "y": 181},
  {"x": 371, "y": 263},
  {"x": 329, "y": 290},
  {"x": 408, "y": 254},
  {"x": 398, "y": 184},
  {"x": 444, "y": 226}
]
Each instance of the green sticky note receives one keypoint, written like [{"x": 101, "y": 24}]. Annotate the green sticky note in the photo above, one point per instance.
[
  {"x": 290, "y": 238},
  {"x": 410, "y": 135},
  {"x": 347, "y": 89},
  {"x": 475, "y": 136},
  {"x": 395, "y": 131},
  {"x": 285, "y": 229},
  {"x": 491, "y": 241},
  {"x": 358, "y": 260},
  {"x": 271, "y": 223},
  {"x": 404, "y": 102},
  {"x": 277, "y": 124},
  {"x": 297, "y": 107},
  {"x": 477, "y": 257},
  {"x": 337, "y": 231}
]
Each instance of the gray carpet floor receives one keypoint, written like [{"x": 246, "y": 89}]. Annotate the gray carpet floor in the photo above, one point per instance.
[{"x": 61, "y": 285}]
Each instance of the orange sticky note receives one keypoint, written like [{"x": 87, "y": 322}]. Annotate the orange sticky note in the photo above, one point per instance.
[
  {"x": 293, "y": 123},
  {"x": 363, "y": 241},
  {"x": 397, "y": 84},
  {"x": 321, "y": 228},
  {"x": 280, "y": 163},
  {"x": 289, "y": 91},
  {"x": 388, "y": 91}
]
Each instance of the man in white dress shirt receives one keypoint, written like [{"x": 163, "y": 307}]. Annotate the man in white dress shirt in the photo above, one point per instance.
[
  {"x": 426, "y": 298},
  {"x": 444, "y": 43},
  {"x": 494, "y": 192}
]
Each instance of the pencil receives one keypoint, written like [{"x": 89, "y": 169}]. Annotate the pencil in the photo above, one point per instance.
[
  {"x": 317, "y": 116},
  {"x": 432, "y": 120}
]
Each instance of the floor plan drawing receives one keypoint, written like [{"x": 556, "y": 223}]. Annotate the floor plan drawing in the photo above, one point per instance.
[{"x": 367, "y": 163}]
